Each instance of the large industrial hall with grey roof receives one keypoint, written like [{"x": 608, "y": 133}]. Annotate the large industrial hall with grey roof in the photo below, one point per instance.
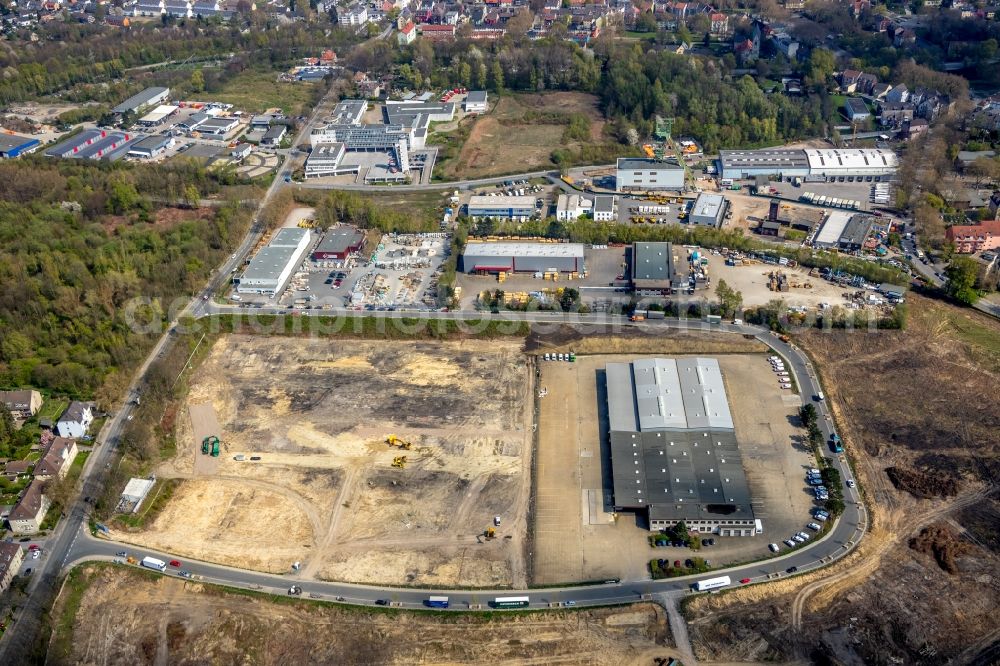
[{"x": 674, "y": 454}]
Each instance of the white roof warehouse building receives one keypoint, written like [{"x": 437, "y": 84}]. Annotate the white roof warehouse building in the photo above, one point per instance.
[
  {"x": 674, "y": 454},
  {"x": 522, "y": 257},
  {"x": 643, "y": 174},
  {"x": 146, "y": 98},
  {"x": 271, "y": 268},
  {"x": 833, "y": 165},
  {"x": 708, "y": 209}
]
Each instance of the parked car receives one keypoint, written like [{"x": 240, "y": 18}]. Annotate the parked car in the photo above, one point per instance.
[
  {"x": 850, "y": 483},
  {"x": 797, "y": 539},
  {"x": 122, "y": 553},
  {"x": 792, "y": 569},
  {"x": 381, "y": 602},
  {"x": 294, "y": 589},
  {"x": 744, "y": 580},
  {"x": 774, "y": 547},
  {"x": 814, "y": 526},
  {"x": 184, "y": 574}
]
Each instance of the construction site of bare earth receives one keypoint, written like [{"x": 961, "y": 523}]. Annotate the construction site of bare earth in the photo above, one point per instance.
[{"x": 359, "y": 461}]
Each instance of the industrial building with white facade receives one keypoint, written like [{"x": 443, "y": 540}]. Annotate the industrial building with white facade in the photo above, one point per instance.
[
  {"x": 674, "y": 455},
  {"x": 708, "y": 210},
  {"x": 483, "y": 257},
  {"x": 517, "y": 208},
  {"x": 272, "y": 266},
  {"x": 636, "y": 174},
  {"x": 827, "y": 164}
]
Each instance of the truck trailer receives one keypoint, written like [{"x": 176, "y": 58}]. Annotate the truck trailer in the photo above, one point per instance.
[{"x": 153, "y": 563}]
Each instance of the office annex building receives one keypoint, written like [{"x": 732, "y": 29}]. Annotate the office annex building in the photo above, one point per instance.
[{"x": 674, "y": 455}]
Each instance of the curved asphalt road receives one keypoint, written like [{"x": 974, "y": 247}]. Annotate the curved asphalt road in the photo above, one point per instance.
[{"x": 844, "y": 535}]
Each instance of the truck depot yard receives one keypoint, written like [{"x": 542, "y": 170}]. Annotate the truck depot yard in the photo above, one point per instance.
[
  {"x": 577, "y": 534},
  {"x": 307, "y": 474}
]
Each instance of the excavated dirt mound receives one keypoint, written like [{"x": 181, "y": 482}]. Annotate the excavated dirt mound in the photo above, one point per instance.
[
  {"x": 942, "y": 543},
  {"x": 922, "y": 485}
]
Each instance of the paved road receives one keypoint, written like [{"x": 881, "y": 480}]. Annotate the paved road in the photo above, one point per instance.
[
  {"x": 19, "y": 638},
  {"x": 845, "y": 534}
]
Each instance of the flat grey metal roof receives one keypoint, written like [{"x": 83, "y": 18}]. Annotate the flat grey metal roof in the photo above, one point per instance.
[
  {"x": 349, "y": 111},
  {"x": 476, "y": 97},
  {"x": 708, "y": 204},
  {"x": 647, "y": 164},
  {"x": 604, "y": 203},
  {"x": 652, "y": 261},
  {"x": 339, "y": 239},
  {"x": 288, "y": 237},
  {"x": 857, "y": 230},
  {"x": 761, "y": 159},
  {"x": 11, "y": 141},
  {"x": 680, "y": 475},
  {"x": 673, "y": 445},
  {"x": 140, "y": 99},
  {"x": 269, "y": 262},
  {"x": 527, "y": 249},
  {"x": 151, "y": 143}
]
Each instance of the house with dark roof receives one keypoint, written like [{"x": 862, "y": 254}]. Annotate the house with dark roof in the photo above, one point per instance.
[
  {"x": 21, "y": 404},
  {"x": 11, "y": 556},
  {"x": 16, "y": 468},
  {"x": 56, "y": 458},
  {"x": 28, "y": 514}
]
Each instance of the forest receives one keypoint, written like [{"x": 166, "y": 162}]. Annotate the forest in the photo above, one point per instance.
[
  {"x": 78, "y": 243},
  {"x": 723, "y": 111}
]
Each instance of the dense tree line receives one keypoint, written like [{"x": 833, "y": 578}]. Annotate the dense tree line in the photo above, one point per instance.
[
  {"x": 634, "y": 85},
  {"x": 72, "y": 54},
  {"x": 78, "y": 243}
]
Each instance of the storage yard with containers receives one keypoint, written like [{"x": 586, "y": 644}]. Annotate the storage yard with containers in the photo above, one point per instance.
[{"x": 362, "y": 461}]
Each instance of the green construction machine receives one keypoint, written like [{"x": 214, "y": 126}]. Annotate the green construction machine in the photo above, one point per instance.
[{"x": 210, "y": 445}]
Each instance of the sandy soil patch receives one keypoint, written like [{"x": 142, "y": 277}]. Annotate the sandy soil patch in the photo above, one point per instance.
[
  {"x": 316, "y": 414},
  {"x": 125, "y": 617}
]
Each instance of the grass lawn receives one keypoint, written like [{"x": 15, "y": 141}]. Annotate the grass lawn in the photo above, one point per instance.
[
  {"x": 77, "y": 467},
  {"x": 52, "y": 408},
  {"x": 631, "y": 34},
  {"x": 258, "y": 91},
  {"x": 428, "y": 204}
]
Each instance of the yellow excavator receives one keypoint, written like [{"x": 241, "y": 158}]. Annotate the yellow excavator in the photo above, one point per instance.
[
  {"x": 399, "y": 461},
  {"x": 392, "y": 440},
  {"x": 490, "y": 533}
]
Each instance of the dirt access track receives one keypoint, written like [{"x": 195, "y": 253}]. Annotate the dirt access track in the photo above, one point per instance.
[
  {"x": 324, "y": 491},
  {"x": 122, "y": 616}
]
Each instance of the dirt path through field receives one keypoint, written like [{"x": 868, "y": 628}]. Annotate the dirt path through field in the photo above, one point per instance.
[{"x": 347, "y": 490}]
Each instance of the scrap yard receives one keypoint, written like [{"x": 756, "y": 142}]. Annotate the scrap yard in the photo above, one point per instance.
[{"x": 354, "y": 461}]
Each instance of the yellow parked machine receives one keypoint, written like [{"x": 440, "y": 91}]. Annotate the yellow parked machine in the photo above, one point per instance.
[
  {"x": 490, "y": 533},
  {"x": 392, "y": 440},
  {"x": 399, "y": 461}
]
